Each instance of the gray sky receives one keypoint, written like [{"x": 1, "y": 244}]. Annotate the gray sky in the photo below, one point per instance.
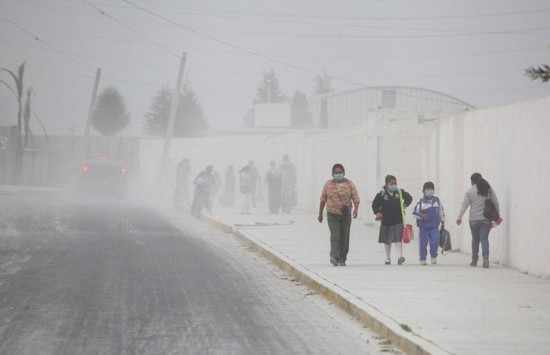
[{"x": 476, "y": 50}]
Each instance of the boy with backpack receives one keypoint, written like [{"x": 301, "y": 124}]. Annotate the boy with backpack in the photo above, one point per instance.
[{"x": 429, "y": 214}]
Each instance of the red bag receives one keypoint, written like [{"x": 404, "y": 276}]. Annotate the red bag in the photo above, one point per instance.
[{"x": 407, "y": 233}]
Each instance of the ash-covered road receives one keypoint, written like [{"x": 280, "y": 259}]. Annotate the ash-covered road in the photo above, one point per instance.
[{"x": 113, "y": 278}]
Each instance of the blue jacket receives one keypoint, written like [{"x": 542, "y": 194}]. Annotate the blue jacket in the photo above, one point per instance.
[{"x": 433, "y": 209}]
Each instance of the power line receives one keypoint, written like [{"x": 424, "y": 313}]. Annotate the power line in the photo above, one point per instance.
[
  {"x": 36, "y": 38},
  {"x": 529, "y": 31},
  {"x": 256, "y": 54},
  {"x": 384, "y": 18},
  {"x": 132, "y": 30},
  {"x": 267, "y": 19},
  {"x": 91, "y": 56}
]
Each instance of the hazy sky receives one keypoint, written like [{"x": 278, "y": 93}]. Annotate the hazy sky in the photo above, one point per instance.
[{"x": 476, "y": 50}]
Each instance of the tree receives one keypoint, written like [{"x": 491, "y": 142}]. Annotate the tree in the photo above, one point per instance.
[
  {"x": 110, "y": 115},
  {"x": 18, "y": 92},
  {"x": 268, "y": 92},
  {"x": 299, "y": 111},
  {"x": 156, "y": 120},
  {"x": 542, "y": 72},
  {"x": 190, "y": 118},
  {"x": 323, "y": 87}
]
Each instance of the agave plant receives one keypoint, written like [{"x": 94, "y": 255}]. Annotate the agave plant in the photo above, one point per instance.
[{"x": 18, "y": 92}]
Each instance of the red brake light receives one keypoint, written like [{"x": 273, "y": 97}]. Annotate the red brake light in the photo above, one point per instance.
[
  {"x": 123, "y": 171},
  {"x": 103, "y": 158},
  {"x": 85, "y": 168}
]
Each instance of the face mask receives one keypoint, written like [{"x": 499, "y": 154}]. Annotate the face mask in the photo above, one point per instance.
[
  {"x": 338, "y": 176},
  {"x": 429, "y": 193},
  {"x": 392, "y": 188}
]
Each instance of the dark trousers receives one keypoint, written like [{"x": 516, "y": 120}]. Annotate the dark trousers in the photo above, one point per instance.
[
  {"x": 339, "y": 227},
  {"x": 274, "y": 199}
]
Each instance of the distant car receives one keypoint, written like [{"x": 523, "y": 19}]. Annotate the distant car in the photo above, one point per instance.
[{"x": 104, "y": 175}]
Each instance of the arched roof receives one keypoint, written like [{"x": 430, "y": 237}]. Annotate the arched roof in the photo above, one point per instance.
[{"x": 453, "y": 100}]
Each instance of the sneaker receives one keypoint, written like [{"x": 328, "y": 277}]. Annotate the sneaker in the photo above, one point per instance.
[
  {"x": 401, "y": 260},
  {"x": 387, "y": 262},
  {"x": 342, "y": 263},
  {"x": 334, "y": 261},
  {"x": 434, "y": 261},
  {"x": 485, "y": 262},
  {"x": 423, "y": 262}
]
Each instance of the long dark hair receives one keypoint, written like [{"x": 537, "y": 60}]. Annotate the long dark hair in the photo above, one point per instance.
[{"x": 483, "y": 186}]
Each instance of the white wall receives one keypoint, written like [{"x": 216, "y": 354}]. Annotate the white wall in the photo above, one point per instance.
[{"x": 507, "y": 145}]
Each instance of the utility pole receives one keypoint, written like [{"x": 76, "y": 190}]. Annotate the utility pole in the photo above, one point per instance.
[
  {"x": 165, "y": 158},
  {"x": 86, "y": 148}
]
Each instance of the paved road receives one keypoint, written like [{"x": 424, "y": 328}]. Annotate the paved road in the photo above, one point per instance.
[{"x": 108, "y": 278}]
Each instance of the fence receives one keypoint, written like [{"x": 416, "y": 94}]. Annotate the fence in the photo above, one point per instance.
[{"x": 55, "y": 161}]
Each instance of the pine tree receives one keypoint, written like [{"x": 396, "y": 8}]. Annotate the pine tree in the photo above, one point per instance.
[
  {"x": 268, "y": 91},
  {"x": 156, "y": 120},
  {"x": 299, "y": 111},
  {"x": 190, "y": 118},
  {"x": 323, "y": 87},
  {"x": 542, "y": 72},
  {"x": 110, "y": 115}
]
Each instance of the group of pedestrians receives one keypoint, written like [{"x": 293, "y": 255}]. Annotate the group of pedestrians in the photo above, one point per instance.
[
  {"x": 340, "y": 197},
  {"x": 280, "y": 181}
]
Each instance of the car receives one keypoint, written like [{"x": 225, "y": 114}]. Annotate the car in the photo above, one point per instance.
[{"x": 103, "y": 176}]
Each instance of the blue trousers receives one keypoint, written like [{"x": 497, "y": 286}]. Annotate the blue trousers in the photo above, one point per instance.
[
  {"x": 480, "y": 234},
  {"x": 430, "y": 236}
]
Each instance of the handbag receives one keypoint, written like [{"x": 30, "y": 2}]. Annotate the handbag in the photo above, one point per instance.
[
  {"x": 407, "y": 228},
  {"x": 345, "y": 209},
  {"x": 490, "y": 210}
]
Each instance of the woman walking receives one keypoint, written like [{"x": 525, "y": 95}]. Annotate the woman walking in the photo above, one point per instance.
[
  {"x": 388, "y": 206},
  {"x": 480, "y": 226},
  {"x": 338, "y": 195}
]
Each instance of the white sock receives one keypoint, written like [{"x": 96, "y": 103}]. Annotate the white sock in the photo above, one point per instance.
[
  {"x": 388, "y": 251},
  {"x": 399, "y": 249}
]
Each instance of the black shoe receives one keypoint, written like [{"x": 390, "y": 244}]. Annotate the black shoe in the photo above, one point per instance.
[
  {"x": 387, "y": 262},
  {"x": 334, "y": 261},
  {"x": 342, "y": 263},
  {"x": 486, "y": 262},
  {"x": 474, "y": 262},
  {"x": 401, "y": 260}
]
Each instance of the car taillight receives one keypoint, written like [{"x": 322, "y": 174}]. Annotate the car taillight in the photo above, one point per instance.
[
  {"x": 123, "y": 171},
  {"x": 85, "y": 168}
]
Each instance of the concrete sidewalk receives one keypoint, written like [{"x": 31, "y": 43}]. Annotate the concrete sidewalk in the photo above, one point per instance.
[{"x": 448, "y": 308}]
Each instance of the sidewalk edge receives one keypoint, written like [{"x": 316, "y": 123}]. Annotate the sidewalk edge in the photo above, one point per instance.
[{"x": 391, "y": 332}]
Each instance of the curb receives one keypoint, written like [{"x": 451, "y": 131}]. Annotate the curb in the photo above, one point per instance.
[{"x": 408, "y": 342}]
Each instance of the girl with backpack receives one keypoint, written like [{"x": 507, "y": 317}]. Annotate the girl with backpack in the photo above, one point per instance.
[{"x": 388, "y": 206}]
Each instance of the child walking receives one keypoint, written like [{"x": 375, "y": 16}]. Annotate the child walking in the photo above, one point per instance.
[
  {"x": 430, "y": 214},
  {"x": 388, "y": 206}
]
